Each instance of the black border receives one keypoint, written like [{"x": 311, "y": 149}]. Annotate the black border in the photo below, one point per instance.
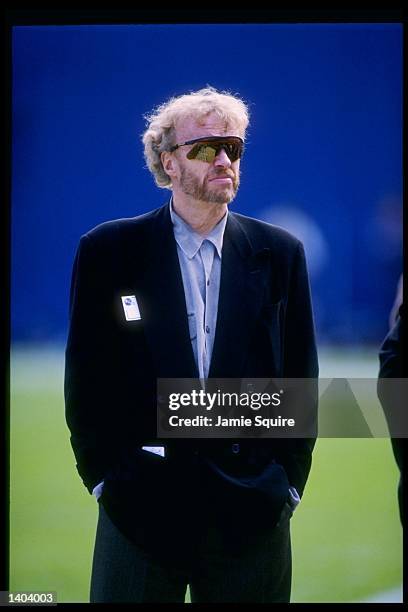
[{"x": 46, "y": 16}]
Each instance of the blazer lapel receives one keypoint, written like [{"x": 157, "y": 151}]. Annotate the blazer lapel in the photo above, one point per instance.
[
  {"x": 243, "y": 276},
  {"x": 163, "y": 304}
]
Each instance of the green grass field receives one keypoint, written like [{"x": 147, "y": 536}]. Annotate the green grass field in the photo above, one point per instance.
[{"x": 346, "y": 534}]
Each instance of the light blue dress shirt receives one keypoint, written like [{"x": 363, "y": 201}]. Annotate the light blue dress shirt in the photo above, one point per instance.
[{"x": 200, "y": 264}]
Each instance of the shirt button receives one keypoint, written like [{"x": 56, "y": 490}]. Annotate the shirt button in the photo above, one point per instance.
[
  {"x": 207, "y": 329},
  {"x": 208, "y": 282}
]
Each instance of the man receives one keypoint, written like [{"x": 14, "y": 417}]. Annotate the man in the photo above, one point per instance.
[{"x": 189, "y": 290}]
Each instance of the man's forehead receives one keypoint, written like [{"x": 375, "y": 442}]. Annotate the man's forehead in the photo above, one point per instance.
[{"x": 210, "y": 125}]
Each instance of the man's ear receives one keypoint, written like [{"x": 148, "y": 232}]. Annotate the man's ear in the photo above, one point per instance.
[{"x": 169, "y": 163}]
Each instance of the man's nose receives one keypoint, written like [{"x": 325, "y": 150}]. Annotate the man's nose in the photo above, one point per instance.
[{"x": 222, "y": 159}]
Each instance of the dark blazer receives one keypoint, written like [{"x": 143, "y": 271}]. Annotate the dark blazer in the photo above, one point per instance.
[{"x": 264, "y": 329}]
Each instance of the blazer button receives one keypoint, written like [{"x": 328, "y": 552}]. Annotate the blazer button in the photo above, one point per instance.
[{"x": 235, "y": 448}]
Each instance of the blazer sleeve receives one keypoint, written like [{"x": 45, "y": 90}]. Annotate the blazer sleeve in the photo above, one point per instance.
[
  {"x": 300, "y": 361},
  {"x": 90, "y": 376}
]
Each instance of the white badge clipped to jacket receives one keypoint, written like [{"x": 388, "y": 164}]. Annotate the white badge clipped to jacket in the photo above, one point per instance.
[{"x": 131, "y": 308}]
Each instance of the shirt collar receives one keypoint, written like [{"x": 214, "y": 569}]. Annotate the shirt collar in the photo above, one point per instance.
[{"x": 189, "y": 240}]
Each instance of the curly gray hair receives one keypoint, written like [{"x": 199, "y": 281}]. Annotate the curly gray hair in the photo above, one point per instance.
[{"x": 161, "y": 123}]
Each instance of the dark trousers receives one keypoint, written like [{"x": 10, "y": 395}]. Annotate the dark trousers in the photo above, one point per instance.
[{"x": 122, "y": 572}]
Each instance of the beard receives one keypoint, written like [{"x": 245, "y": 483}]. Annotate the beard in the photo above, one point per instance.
[{"x": 190, "y": 185}]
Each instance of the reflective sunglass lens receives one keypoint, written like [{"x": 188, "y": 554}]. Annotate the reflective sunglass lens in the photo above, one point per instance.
[
  {"x": 203, "y": 152},
  {"x": 207, "y": 152}
]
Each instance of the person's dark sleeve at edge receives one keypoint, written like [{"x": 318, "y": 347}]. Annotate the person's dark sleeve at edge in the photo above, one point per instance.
[{"x": 391, "y": 366}]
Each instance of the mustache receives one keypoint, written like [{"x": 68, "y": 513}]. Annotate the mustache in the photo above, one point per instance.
[{"x": 222, "y": 173}]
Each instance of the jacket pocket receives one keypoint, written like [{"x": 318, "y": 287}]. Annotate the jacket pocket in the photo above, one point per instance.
[{"x": 257, "y": 501}]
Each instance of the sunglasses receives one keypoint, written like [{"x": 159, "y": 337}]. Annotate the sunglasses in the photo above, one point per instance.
[{"x": 206, "y": 149}]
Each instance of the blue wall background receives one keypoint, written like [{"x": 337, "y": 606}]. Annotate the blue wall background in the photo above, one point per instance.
[{"x": 323, "y": 156}]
